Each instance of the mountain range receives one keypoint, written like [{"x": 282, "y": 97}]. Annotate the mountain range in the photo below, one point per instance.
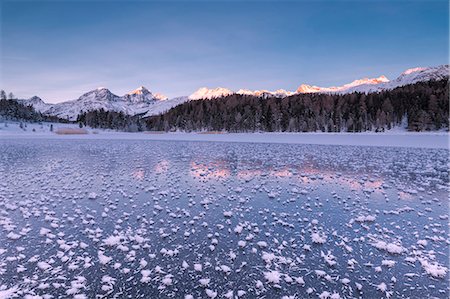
[{"x": 142, "y": 101}]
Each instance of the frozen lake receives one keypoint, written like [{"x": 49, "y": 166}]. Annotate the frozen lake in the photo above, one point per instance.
[{"x": 175, "y": 219}]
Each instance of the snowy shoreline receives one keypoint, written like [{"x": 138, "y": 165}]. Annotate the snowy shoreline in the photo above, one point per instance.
[{"x": 435, "y": 140}]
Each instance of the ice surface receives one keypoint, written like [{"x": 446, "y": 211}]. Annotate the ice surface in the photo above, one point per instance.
[{"x": 175, "y": 219}]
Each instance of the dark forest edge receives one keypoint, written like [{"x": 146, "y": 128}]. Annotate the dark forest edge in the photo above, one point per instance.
[{"x": 424, "y": 106}]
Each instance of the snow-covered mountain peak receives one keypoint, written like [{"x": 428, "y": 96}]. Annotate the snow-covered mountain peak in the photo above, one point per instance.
[
  {"x": 140, "y": 95},
  {"x": 417, "y": 74},
  {"x": 381, "y": 79},
  {"x": 160, "y": 97},
  {"x": 305, "y": 88},
  {"x": 206, "y": 93},
  {"x": 140, "y": 90},
  {"x": 99, "y": 94},
  {"x": 99, "y": 90},
  {"x": 283, "y": 92},
  {"x": 245, "y": 92},
  {"x": 37, "y": 103},
  {"x": 381, "y": 83},
  {"x": 279, "y": 93},
  {"x": 35, "y": 100},
  {"x": 413, "y": 70}
]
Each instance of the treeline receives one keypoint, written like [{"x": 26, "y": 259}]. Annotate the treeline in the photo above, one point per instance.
[
  {"x": 424, "y": 105},
  {"x": 111, "y": 120},
  {"x": 12, "y": 110}
]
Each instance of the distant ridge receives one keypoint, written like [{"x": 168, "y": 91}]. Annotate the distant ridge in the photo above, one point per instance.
[{"x": 142, "y": 101}]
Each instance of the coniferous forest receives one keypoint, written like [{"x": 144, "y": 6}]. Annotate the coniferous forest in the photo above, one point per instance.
[
  {"x": 424, "y": 106},
  {"x": 112, "y": 120}
]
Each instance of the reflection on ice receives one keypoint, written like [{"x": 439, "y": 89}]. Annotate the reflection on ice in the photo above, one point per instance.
[
  {"x": 221, "y": 220},
  {"x": 162, "y": 166},
  {"x": 138, "y": 174},
  {"x": 209, "y": 171}
]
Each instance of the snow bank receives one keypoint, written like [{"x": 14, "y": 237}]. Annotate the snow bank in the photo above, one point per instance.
[{"x": 393, "y": 139}]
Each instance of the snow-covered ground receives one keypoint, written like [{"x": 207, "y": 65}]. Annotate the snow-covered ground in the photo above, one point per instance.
[
  {"x": 394, "y": 138},
  {"x": 139, "y": 218}
]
